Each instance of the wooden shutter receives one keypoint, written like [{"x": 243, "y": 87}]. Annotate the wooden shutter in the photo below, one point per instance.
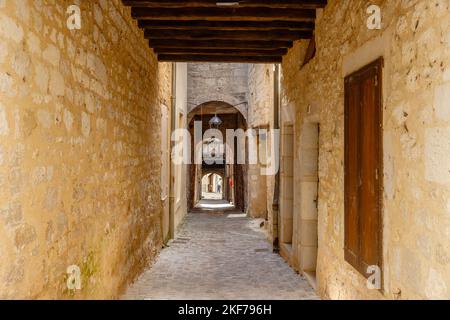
[
  {"x": 352, "y": 241},
  {"x": 363, "y": 167}
]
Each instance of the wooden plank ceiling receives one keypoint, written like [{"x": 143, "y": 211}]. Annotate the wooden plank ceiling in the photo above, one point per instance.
[{"x": 253, "y": 31}]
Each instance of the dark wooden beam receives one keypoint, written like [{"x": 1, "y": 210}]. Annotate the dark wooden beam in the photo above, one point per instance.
[
  {"x": 226, "y": 25},
  {"x": 235, "y": 30},
  {"x": 226, "y": 14},
  {"x": 311, "y": 51},
  {"x": 219, "y": 44},
  {"x": 217, "y": 58},
  {"x": 290, "y": 4},
  {"x": 221, "y": 52},
  {"x": 226, "y": 35}
]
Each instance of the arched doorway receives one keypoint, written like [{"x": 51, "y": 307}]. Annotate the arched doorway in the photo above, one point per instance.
[
  {"x": 212, "y": 187},
  {"x": 216, "y": 152}
]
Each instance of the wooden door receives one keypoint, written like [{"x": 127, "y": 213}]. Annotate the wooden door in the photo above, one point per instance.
[{"x": 363, "y": 167}]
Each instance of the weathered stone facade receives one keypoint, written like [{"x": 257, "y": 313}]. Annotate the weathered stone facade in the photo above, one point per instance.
[
  {"x": 179, "y": 171},
  {"x": 415, "y": 43},
  {"x": 81, "y": 117},
  {"x": 224, "y": 82},
  {"x": 261, "y": 95},
  {"x": 260, "y": 116},
  {"x": 79, "y": 148}
]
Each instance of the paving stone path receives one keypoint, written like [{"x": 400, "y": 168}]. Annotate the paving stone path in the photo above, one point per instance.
[{"x": 220, "y": 255}]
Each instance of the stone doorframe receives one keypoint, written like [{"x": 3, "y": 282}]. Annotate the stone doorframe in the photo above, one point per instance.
[
  {"x": 299, "y": 207},
  {"x": 307, "y": 188},
  {"x": 287, "y": 210}
]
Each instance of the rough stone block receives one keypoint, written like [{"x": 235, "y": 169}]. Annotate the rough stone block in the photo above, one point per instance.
[
  {"x": 24, "y": 235},
  {"x": 437, "y": 155},
  {"x": 10, "y": 29},
  {"x": 52, "y": 55},
  {"x": 442, "y": 101},
  {"x": 4, "y": 127}
]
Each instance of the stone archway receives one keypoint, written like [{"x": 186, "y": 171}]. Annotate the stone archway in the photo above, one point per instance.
[
  {"x": 234, "y": 175},
  {"x": 212, "y": 185},
  {"x": 218, "y": 107}
]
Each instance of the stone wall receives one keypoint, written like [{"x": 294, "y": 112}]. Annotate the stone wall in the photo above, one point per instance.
[
  {"x": 260, "y": 115},
  {"x": 224, "y": 82},
  {"x": 415, "y": 43},
  {"x": 179, "y": 173},
  {"x": 260, "y": 87},
  {"x": 79, "y": 149}
]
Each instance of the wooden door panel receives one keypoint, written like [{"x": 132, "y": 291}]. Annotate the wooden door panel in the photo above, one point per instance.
[
  {"x": 351, "y": 169},
  {"x": 363, "y": 165},
  {"x": 368, "y": 171}
]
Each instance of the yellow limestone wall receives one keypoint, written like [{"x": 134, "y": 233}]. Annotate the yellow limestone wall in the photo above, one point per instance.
[
  {"x": 415, "y": 43},
  {"x": 260, "y": 115},
  {"x": 79, "y": 148}
]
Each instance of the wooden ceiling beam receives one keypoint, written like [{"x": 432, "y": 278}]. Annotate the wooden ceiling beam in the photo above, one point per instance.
[
  {"x": 226, "y": 14},
  {"x": 251, "y": 31},
  {"x": 220, "y": 44},
  {"x": 226, "y": 35},
  {"x": 218, "y": 58},
  {"x": 221, "y": 52},
  {"x": 226, "y": 25},
  {"x": 287, "y": 4}
]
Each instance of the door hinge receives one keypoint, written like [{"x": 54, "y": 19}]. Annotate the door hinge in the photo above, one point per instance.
[
  {"x": 376, "y": 174},
  {"x": 376, "y": 81}
]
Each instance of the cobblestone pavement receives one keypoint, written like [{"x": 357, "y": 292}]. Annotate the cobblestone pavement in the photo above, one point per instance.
[{"x": 220, "y": 256}]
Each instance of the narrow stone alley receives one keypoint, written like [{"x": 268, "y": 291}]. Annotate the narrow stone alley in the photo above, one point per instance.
[
  {"x": 254, "y": 149},
  {"x": 220, "y": 255}
]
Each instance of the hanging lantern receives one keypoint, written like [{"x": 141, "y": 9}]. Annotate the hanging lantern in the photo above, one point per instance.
[{"x": 215, "y": 122}]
